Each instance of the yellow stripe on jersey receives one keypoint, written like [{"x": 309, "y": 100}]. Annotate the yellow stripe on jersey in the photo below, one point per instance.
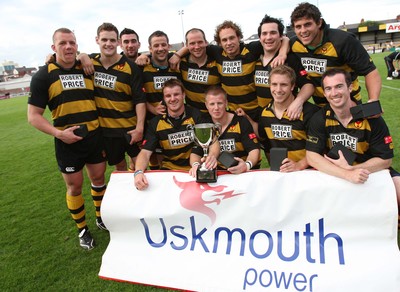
[
  {"x": 117, "y": 123},
  {"x": 77, "y": 106},
  {"x": 171, "y": 165},
  {"x": 297, "y": 155},
  {"x": 239, "y": 90},
  {"x": 70, "y": 98},
  {"x": 120, "y": 106},
  {"x": 299, "y": 135}
]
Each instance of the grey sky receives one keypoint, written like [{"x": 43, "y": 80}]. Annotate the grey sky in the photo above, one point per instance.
[{"x": 28, "y": 25}]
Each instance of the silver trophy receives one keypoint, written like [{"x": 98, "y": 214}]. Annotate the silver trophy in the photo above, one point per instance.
[{"x": 204, "y": 135}]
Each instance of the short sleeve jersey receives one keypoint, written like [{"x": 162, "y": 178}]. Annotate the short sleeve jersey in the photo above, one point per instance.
[
  {"x": 153, "y": 81},
  {"x": 197, "y": 79},
  {"x": 117, "y": 90},
  {"x": 367, "y": 138},
  {"x": 238, "y": 138},
  {"x": 284, "y": 133},
  {"x": 173, "y": 137},
  {"x": 262, "y": 74},
  {"x": 237, "y": 75},
  {"x": 338, "y": 49},
  {"x": 68, "y": 93}
]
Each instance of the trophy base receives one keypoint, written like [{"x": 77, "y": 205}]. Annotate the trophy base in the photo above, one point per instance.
[{"x": 206, "y": 176}]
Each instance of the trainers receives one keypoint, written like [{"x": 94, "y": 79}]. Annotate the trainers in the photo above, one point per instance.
[
  {"x": 86, "y": 240},
  {"x": 389, "y": 78},
  {"x": 100, "y": 224}
]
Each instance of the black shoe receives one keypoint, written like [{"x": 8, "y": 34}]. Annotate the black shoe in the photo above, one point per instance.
[
  {"x": 100, "y": 224},
  {"x": 86, "y": 240}
]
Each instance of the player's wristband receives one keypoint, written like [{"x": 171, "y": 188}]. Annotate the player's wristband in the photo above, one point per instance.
[
  {"x": 249, "y": 165},
  {"x": 137, "y": 172},
  {"x": 195, "y": 164},
  {"x": 176, "y": 54}
]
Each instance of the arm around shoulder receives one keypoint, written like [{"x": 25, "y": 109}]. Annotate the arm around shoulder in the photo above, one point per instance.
[{"x": 86, "y": 62}]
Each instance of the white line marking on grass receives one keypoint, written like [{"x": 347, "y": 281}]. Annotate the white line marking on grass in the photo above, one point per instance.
[
  {"x": 384, "y": 86},
  {"x": 390, "y": 87}
]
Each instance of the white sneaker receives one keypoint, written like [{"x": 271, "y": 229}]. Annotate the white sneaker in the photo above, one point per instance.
[{"x": 389, "y": 78}]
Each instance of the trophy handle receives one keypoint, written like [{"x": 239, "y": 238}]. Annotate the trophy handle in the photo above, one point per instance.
[
  {"x": 216, "y": 133},
  {"x": 215, "y": 130}
]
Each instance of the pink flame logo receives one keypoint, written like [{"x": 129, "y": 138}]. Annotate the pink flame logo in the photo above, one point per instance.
[{"x": 191, "y": 197}]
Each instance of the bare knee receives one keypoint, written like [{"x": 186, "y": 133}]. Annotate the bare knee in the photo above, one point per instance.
[
  {"x": 74, "y": 188},
  {"x": 73, "y": 182},
  {"x": 121, "y": 166},
  {"x": 96, "y": 173}
]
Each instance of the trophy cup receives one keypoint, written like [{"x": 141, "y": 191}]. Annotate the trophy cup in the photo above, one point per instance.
[{"x": 204, "y": 135}]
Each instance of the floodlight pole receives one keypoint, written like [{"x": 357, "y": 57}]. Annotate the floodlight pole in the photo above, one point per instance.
[{"x": 180, "y": 12}]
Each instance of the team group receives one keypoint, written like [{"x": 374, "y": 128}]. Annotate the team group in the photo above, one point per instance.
[{"x": 106, "y": 105}]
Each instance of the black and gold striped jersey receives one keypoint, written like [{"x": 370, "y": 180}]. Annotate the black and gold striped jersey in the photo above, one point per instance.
[
  {"x": 197, "y": 79},
  {"x": 173, "y": 137},
  {"x": 69, "y": 95},
  {"x": 367, "y": 138},
  {"x": 237, "y": 76},
  {"x": 338, "y": 49},
  {"x": 262, "y": 73},
  {"x": 238, "y": 138},
  {"x": 117, "y": 90},
  {"x": 153, "y": 81},
  {"x": 284, "y": 133}
]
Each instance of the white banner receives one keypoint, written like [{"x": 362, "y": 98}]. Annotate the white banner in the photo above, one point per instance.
[
  {"x": 258, "y": 231},
  {"x": 392, "y": 27}
]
